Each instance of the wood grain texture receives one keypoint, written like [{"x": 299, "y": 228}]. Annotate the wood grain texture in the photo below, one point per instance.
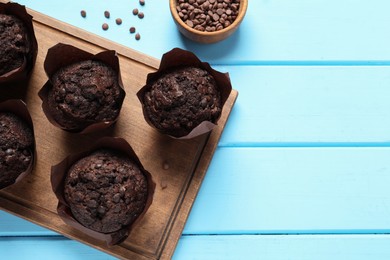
[
  {"x": 160, "y": 229},
  {"x": 331, "y": 190},
  {"x": 328, "y": 56}
]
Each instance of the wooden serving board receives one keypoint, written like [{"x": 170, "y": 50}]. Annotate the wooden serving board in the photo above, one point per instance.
[{"x": 187, "y": 161}]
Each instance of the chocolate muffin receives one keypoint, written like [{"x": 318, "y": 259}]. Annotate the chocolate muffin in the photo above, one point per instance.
[
  {"x": 16, "y": 148},
  {"x": 14, "y": 43},
  {"x": 181, "y": 99},
  {"x": 84, "y": 93},
  {"x": 105, "y": 191}
]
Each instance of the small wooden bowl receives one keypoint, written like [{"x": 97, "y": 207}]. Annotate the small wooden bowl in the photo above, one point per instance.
[{"x": 207, "y": 37}]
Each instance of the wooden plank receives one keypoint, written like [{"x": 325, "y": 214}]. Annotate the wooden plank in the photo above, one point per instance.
[
  {"x": 339, "y": 247},
  {"x": 324, "y": 31},
  {"x": 304, "y": 247},
  {"x": 309, "y": 106},
  {"x": 288, "y": 190},
  {"x": 58, "y": 248},
  {"x": 12, "y": 226},
  {"x": 294, "y": 190},
  {"x": 160, "y": 229}
]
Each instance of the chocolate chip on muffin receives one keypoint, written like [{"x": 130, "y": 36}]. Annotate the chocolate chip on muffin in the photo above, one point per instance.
[
  {"x": 84, "y": 93},
  {"x": 16, "y": 148},
  {"x": 181, "y": 99},
  {"x": 105, "y": 191},
  {"x": 184, "y": 98}
]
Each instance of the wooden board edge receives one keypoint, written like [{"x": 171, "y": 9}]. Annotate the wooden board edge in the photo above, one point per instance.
[
  {"x": 40, "y": 219},
  {"x": 193, "y": 189},
  {"x": 177, "y": 227},
  {"x": 200, "y": 169}
]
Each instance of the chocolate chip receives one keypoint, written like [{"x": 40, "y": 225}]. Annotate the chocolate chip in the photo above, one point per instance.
[
  {"x": 118, "y": 21},
  {"x": 141, "y": 15},
  {"x": 105, "y": 26},
  {"x": 132, "y": 29},
  {"x": 101, "y": 210},
  {"x": 135, "y": 11},
  {"x": 142, "y": 2},
  {"x": 208, "y": 15},
  {"x": 83, "y": 13},
  {"x": 91, "y": 204},
  {"x": 122, "y": 191},
  {"x": 116, "y": 198},
  {"x": 117, "y": 209},
  {"x": 137, "y": 36},
  {"x": 107, "y": 14},
  {"x": 190, "y": 23}
]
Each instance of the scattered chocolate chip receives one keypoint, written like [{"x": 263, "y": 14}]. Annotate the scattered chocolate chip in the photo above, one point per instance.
[
  {"x": 132, "y": 29},
  {"x": 208, "y": 15},
  {"x": 118, "y": 21},
  {"x": 137, "y": 36},
  {"x": 135, "y": 11},
  {"x": 141, "y": 15},
  {"x": 83, "y": 13},
  {"x": 107, "y": 14},
  {"x": 142, "y": 2},
  {"x": 105, "y": 26}
]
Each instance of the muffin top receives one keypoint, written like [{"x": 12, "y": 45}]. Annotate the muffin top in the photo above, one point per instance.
[
  {"x": 14, "y": 43},
  {"x": 84, "y": 93},
  {"x": 181, "y": 99},
  {"x": 105, "y": 191},
  {"x": 16, "y": 148}
]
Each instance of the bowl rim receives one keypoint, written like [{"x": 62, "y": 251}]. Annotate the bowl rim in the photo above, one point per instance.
[{"x": 237, "y": 21}]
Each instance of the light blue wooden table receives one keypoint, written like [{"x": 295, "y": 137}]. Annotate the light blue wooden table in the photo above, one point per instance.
[{"x": 302, "y": 170}]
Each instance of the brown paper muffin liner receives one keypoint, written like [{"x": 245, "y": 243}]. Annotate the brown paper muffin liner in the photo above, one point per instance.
[
  {"x": 19, "y": 108},
  {"x": 62, "y": 55},
  {"x": 58, "y": 176},
  {"x": 178, "y": 58},
  {"x": 21, "y": 74}
]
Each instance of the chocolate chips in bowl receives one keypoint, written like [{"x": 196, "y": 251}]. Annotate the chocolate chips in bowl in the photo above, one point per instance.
[{"x": 208, "y": 21}]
